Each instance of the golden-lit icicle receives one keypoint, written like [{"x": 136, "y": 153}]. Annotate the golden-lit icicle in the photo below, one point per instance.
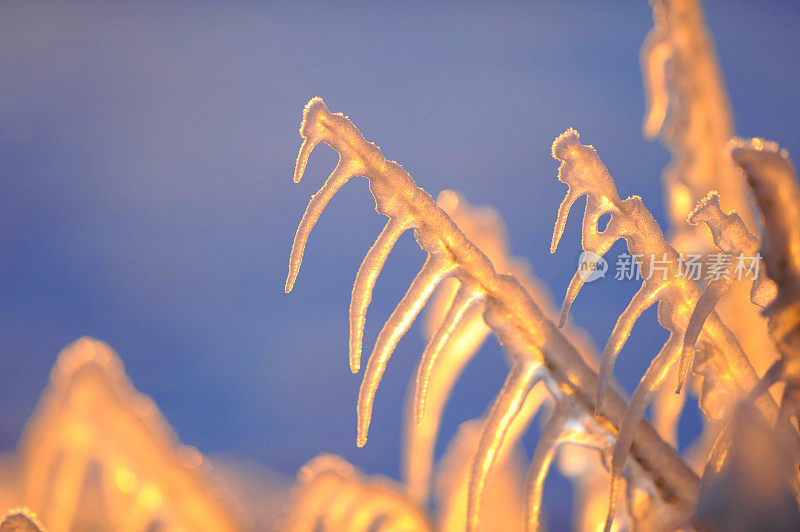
[
  {"x": 575, "y": 285},
  {"x": 92, "y": 414},
  {"x": 567, "y": 424},
  {"x": 505, "y": 409},
  {"x": 451, "y": 484},
  {"x": 420, "y": 438},
  {"x": 655, "y": 55},
  {"x": 340, "y": 175},
  {"x": 518, "y": 321},
  {"x": 712, "y": 293},
  {"x": 561, "y": 218},
  {"x": 464, "y": 298},
  {"x": 433, "y": 271},
  {"x": 642, "y": 396},
  {"x": 687, "y": 107},
  {"x": 641, "y": 301},
  {"x": 367, "y": 274},
  {"x": 502, "y": 507},
  {"x": 540, "y": 464}
]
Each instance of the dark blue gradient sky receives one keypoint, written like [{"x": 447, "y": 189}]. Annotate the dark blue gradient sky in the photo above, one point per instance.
[{"x": 146, "y": 152}]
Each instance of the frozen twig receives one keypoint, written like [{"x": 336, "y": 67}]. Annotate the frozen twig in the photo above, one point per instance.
[
  {"x": 584, "y": 173},
  {"x": 771, "y": 175},
  {"x": 516, "y": 320}
]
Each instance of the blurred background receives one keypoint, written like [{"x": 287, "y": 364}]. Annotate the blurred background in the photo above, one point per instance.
[{"x": 146, "y": 153}]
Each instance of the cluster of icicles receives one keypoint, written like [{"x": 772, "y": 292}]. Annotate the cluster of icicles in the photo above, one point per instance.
[{"x": 540, "y": 352}]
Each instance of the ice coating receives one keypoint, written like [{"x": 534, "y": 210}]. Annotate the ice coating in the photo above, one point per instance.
[
  {"x": 687, "y": 107},
  {"x": 520, "y": 325},
  {"x": 91, "y": 413},
  {"x": 333, "y": 495},
  {"x": 772, "y": 178},
  {"x": 732, "y": 237},
  {"x": 584, "y": 173},
  {"x": 520, "y": 381},
  {"x": 420, "y": 437},
  {"x": 438, "y": 374},
  {"x": 688, "y": 110}
]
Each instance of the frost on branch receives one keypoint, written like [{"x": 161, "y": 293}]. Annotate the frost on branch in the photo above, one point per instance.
[
  {"x": 484, "y": 227},
  {"x": 731, "y": 237},
  {"x": 456, "y": 330},
  {"x": 584, "y": 173},
  {"x": 688, "y": 108},
  {"x": 533, "y": 342},
  {"x": 772, "y": 178}
]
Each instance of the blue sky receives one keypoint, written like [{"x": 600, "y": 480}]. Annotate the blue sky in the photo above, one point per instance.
[{"x": 146, "y": 151}]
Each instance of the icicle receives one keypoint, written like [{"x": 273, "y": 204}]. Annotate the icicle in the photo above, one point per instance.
[
  {"x": 433, "y": 271},
  {"x": 463, "y": 300},
  {"x": 640, "y": 302},
  {"x": 654, "y": 57},
  {"x": 367, "y": 274},
  {"x": 306, "y": 148},
  {"x": 574, "y": 287},
  {"x": 340, "y": 175},
  {"x": 642, "y": 396},
  {"x": 567, "y": 424},
  {"x": 420, "y": 438},
  {"x": 704, "y": 307},
  {"x": 561, "y": 218},
  {"x": 505, "y": 409},
  {"x": 773, "y": 375},
  {"x": 548, "y": 442}
]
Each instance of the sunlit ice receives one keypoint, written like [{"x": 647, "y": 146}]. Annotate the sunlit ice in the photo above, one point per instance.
[{"x": 643, "y": 375}]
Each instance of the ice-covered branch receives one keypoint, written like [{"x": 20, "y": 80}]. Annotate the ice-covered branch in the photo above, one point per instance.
[
  {"x": 520, "y": 325},
  {"x": 688, "y": 110},
  {"x": 772, "y": 178},
  {"x": 663, "y": 283}
]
